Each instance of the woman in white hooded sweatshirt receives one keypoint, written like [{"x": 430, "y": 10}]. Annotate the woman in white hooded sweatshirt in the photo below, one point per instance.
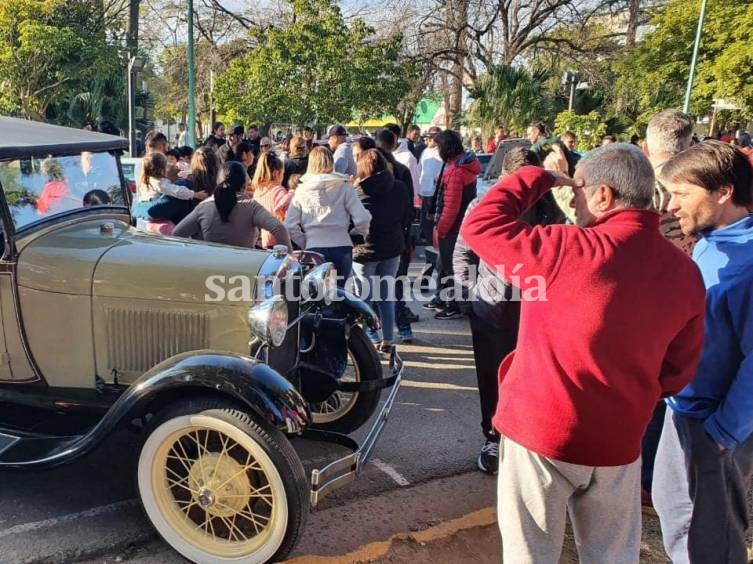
[{"x": 321, "y": 212}]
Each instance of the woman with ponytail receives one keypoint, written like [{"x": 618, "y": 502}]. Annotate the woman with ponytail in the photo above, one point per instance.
[
  {"x": 269, "y": 192},
  {"x": 231, "y": 216}
]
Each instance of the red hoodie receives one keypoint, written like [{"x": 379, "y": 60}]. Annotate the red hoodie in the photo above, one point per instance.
[
  {"x": 622, "y": 325},
  {"x": 461, "y": 171}
]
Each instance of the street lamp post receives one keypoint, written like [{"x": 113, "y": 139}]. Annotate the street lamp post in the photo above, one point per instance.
[
  {"x": 135, "y": 64},
  {"x": 570, "y": 80},
  {"x": 696, "y": 44},
  {"x": 191, "y": 132}
]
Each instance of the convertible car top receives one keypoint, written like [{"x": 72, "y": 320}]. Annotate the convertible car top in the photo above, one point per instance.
[{"x": 21, "y": 137}]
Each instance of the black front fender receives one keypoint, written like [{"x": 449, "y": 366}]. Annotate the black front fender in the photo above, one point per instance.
[
  {"x": 252, "y": 383},
  {"x": 246, "y": 381},
  {"x": 350, "y": 304}
]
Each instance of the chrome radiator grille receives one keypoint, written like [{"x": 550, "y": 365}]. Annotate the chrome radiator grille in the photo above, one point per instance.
[{"x": 139, "y": 339}]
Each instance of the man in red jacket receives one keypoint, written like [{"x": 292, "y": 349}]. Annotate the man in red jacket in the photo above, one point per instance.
[{"x": 595, "y": 351}]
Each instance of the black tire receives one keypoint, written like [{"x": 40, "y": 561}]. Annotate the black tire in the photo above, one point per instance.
[
  {"x": 278, "y": 471},
  {"x": 366, "y": 359}
]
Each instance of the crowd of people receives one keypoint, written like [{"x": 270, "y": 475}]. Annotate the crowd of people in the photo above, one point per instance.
[
  {"x": 351, "y": 199},
  {"x": 628, "y": 380}
]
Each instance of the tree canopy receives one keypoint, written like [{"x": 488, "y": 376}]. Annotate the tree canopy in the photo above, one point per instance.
[
  {"x": 653, "y": 75},
  {"x": 50, "y": 50},
  {"x": 315, "y": 68}
]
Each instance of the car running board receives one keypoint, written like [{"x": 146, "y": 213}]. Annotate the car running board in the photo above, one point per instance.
[
  {"x": 23, "y": 450},
  {"x": 7, "y": 441}
]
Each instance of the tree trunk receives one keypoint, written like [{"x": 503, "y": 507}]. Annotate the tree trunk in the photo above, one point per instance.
[
  {"x": 634, "y": 11},
  {"x": 455, "y": 98},
  {"x": 456, "y": 17}
]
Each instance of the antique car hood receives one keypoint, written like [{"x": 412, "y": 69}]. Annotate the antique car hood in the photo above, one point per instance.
[{"x": 151, "y": 267}]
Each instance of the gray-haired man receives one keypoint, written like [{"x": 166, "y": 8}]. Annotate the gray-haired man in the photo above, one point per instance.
[{"x": 669, "y": 133}]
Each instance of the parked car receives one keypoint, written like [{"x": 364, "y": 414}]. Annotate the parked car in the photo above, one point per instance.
[{"x": 106, "y": 327}]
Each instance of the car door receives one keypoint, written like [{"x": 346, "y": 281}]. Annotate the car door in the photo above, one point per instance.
[{"x": 15, "y": 363}]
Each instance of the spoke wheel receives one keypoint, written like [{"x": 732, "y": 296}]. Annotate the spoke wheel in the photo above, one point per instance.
[
  {"x": 344, "y": 412},
  {"x": 340, "y": 403},
  {"x": 213, "y": 484}
]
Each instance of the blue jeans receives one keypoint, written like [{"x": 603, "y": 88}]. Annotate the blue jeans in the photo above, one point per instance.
[
  {"x": 341, "y": 257},
  {"x": 385, "y": 271}
]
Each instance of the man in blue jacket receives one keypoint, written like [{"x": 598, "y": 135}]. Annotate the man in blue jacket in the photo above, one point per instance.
[{"x": 704, "y": 462}]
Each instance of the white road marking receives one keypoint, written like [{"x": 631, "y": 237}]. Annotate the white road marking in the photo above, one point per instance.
[
  {"x": 399, "y": 479},
  {"x": 437, "y": 385},
  {"x": 94, "y": 512}
]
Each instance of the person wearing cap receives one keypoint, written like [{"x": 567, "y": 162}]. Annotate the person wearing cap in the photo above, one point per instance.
[
  {"x": 265, "y": 144},
  {"x": 341, "y": 150}
]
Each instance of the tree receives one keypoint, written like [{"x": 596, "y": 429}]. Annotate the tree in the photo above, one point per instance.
[
  {"x": 313, "y": 69},
  {"x": 653, "y": 75},
  {"x": 48, "y": 50},
  {"x": 510, "y": 96},
  {"x": 588, "y": 128}
]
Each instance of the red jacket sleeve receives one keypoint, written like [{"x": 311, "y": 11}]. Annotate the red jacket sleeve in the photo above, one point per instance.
[
  {"x": 452, "y": 199},
  {"x": 676, "y": 371},
  {"x": 495, "y": 232}
]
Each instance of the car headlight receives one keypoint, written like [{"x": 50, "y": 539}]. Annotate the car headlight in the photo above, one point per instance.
[
  {"x": 268, "y": 320},
  {"x": 320, "y": 283}
]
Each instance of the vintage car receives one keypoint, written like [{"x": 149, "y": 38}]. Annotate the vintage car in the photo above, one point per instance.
[{"x": 217, "y": 356}]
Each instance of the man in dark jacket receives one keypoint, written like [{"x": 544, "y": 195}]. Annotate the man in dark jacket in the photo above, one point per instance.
[
  {"x": 416, "y": 144},
  {"x": 495, "y": 309},
  {"x": 386, "y": 142},
  {"x": 456, "y": 190},
  {"x": 217, "y": 137}
]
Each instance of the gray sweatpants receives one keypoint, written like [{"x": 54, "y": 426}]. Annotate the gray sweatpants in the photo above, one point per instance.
[
  {"x": 535, "y": 494},
  {"x": 700, "y": 494}
]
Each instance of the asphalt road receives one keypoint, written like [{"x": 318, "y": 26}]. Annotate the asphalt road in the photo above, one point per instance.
[{"x": 89, "y": 509}]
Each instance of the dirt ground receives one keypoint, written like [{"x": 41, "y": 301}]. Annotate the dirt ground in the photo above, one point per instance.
[{"x": 481, "y": 545}]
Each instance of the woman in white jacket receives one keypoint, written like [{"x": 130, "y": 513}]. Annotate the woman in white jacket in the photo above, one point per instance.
[{"x": 321, "y": 212}]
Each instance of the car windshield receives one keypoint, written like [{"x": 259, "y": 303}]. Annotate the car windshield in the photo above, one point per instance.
[{"x": 37, "y": 188}]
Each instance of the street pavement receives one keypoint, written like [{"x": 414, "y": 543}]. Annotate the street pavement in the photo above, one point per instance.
[{"x": 88, "y": 510}]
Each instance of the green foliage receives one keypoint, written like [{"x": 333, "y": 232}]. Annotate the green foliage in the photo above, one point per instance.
[
  {"x": 588, "y": 128},
  {"x": 510, "y": 96},
  {"x": 653, "y": 75},
  {"x": 315, "y": 69},
  {"x": 49, "y": 51}
]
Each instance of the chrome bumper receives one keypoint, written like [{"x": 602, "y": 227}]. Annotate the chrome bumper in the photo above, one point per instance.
[{"x": 345, "y": 470}]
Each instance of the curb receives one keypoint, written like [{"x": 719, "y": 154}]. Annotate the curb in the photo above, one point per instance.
[{"x": 379, "y": 549}]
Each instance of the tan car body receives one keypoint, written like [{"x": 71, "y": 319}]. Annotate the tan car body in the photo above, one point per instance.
[{"x": 122, "y": 299}]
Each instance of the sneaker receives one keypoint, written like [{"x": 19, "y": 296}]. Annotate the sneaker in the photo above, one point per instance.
[
  {"x": 433, "y": 306},
  {"x": 405, "y": 335},
  {"x": 448, "y": 314},
  {"x": 411, "y": 317},
  {"x": 488, "y": 460}
]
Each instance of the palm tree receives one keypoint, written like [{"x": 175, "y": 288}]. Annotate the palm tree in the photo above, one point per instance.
[{"x": 511, "y": 96}]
